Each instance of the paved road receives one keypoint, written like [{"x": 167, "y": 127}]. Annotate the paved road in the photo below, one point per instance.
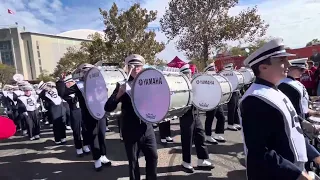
[{"x": 21, "y": 159}]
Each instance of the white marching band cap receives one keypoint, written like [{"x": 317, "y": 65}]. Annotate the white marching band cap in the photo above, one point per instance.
[
  {"x": 210, "y": 67},
  {"x": 68, "y": 78},
  {"x": 22, "y": 83},
  {"x": 301, "y": 63},
  {"x": 52, "y": 84},
  {"x": 134, "y": 59},
  {"x": 185, "y": 68},
  {"x": 228, "y": 66},
  {"x": 274, "y": 48},
  {"x": 42, "y": 85},
  {"x": 85, "y": 66},
  {"x": 7, "y": 87},
  {"x": 27, "y": 87}
]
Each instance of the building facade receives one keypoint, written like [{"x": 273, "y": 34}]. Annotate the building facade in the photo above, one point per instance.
[{"x": 33, "y": 53}]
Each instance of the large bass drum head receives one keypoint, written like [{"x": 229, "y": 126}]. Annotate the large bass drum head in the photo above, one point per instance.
[
  {"x": 232, "y": 77},
  {"x": 205, "y": 90},
  {"x": 248, "y": 75},
  {"x": 151, "y": 96},
  {"x": 96, "y": 93}
]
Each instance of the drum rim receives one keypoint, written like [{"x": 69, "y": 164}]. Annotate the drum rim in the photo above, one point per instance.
[
  {"x": 249, "y": 71},
  {"x": 200, "y": 108},
  {"x": 85, "y": 92},
  {"x": 239, "y": 84},
  {"x": 132, "y": 97}
]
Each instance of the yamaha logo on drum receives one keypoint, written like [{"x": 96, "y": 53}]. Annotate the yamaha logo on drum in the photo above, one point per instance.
[
  {"x": 97, "y": 74},
  {"x": 227, "y": 74},
  {"x": 150, "y": 116},
  {"x": 150, "y": 81},
  {"x": 203, "y": 105},
  {"x": 204, "y": 82}
]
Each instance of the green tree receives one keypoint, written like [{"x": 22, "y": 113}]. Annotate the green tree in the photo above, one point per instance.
[
  {"x": 45, "y": 76},
  {"x": 96, "y": 49},
  {"x": 314, "y": 41},
  {"x": 6, "y": 74},
  {"x": 126, "y": 34},
  {"x": 203, "y": 26},
  {"x": 71, "y": 59}
]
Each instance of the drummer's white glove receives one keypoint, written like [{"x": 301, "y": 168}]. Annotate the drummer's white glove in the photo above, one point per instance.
[
  {"x": 38, "y": 91},
  {"x": 25, "y": 113}
]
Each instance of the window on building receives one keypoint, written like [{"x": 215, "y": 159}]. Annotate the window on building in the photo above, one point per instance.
[
  {"x": 39, "y": 62},
  {"x": 30, "y": 58},
  {"x": 5, "y": 45},
  {"x": 37, "y": 43},
  {"x": 41, "y": 70},
  {"x": 39, "y": 54}
]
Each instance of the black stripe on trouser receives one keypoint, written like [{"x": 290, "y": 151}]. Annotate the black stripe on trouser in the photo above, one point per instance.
[
  {"x": 33, "y": 124},
  {"x": 192, "y": 131},
  {"x": 78, "y": 128},
  {"x": 233, "y": 117},
  {"x": 96, "y": 131},
  {"x": 218, "y": 113},
  {"x": 164, "y": 129},
  {"x": 148, "y": 145}
]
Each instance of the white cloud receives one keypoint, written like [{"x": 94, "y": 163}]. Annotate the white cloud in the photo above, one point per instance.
[{"x": 296, "y": 21}]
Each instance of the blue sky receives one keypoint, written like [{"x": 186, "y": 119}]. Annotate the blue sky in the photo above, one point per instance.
[{"x": 296, "y": 21}]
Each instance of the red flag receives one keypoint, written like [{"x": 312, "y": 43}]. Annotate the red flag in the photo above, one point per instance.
[
  {"x": 7, "y": 128},
  {"x": 10, "y": 11}
]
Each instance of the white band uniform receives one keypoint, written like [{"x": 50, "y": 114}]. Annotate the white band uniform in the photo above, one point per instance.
[
  {"x": 210, "y": 91},
  {"x": 157, "y": 95},
  {"x": 235, "y": 78},
  {"x": 99, "y": 83}
]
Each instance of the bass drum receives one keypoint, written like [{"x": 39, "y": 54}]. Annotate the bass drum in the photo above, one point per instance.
[
  {"x": 210, "y": 91},
  {"x": 235, "y": 78},
  {"x": 247, "y": 74},
  {"x": 99, "y": 83},
  {"x": 157, "y": 95}
]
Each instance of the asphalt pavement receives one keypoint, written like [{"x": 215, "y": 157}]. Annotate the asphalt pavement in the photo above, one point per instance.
[{"x": 21, "y": 159}]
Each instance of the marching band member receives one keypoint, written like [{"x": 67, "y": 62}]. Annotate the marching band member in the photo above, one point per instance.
[
  {"x": 233, "y": 119},
  {"x": 56, "y": 111},
  {"x": 65, "y": 105},
  {"x": 192, "y": 130},
  {"x": 96, "y": 129},
  {"x": 27, "y": 107},
  {"x": 137, "y": 135},
  {"x": 218, "y": 113},
  {"x": 19, "y": 119},
  {"x": 165, "y": 132},
  {"x": 278, "y": 150},
  {"x": 299, "y": 97},
  {"x": 77, "y": 124}
]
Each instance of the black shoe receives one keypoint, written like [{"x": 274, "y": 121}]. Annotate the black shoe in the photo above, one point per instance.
[
  {"x": 188, "y": 170},
  {"x": 98, "y": 169},
  {"x": 106, "y": 164}
]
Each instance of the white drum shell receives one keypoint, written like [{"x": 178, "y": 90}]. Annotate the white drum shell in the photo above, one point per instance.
[
  {"x": 180, "y": 89},
  {"x": 208, "y": 96},
  {"x": 176, "y": 90},
  {"x": 315, "y": 120},
  {"x": 235, "y": 78},
  {"x": 247, "y": 74},
  {"x": 110, "y": 77}
]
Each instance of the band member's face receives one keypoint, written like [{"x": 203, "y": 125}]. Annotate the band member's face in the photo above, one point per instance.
[
  {"x": 27, "y": 93},
  {"x": 136, "y": 70},
  {"x": 70, "y": 83},
  {"x": 278, "y": 69}
]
